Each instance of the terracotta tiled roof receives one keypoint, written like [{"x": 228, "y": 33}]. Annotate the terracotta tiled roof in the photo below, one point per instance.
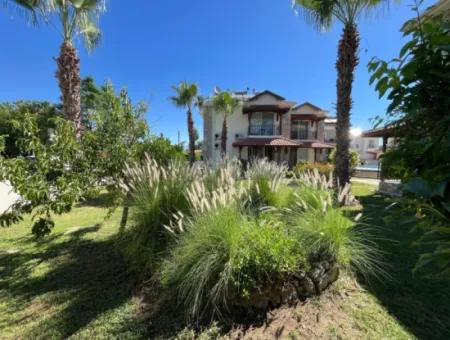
[
  {"x": 259, "y": 141},
  {"x": 278, "y": 107},
  {"x": 273, "y": 94}
]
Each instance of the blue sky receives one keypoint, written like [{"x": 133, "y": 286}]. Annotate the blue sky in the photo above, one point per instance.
[{"x": 148, "y": 46}]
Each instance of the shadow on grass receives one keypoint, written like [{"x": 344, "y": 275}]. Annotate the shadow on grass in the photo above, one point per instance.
[
  {"x": 80, "y": 279},
  {"x": 422, "y": 305}
]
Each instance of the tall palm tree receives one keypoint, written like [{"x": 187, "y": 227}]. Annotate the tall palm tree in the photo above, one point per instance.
[
  {"x": 187, "y": 97},
  {"x": 322, "y": 13},
  {"x": 77, "y": 18},
  {"x": 225, "y": 104}
]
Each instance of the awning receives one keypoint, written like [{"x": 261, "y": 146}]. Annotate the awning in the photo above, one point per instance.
[
  {"x": 281, "y": 141},
  {"x": 260, "y": 141},
  {"x": 315, "y": 145},
  {"x": 386, "y": 132}
]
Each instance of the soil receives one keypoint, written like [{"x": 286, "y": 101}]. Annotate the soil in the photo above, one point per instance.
[{"x": 319, "y": 317}]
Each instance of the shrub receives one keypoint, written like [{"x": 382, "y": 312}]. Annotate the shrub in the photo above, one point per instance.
[
  {"x": 322, "y": 168},
  {"x": 354, "y": 158}
]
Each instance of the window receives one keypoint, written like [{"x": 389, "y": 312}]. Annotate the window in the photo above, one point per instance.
[
  {"x": 371, "y": 144},
  {"x": 299, "y": 129},
  {"x": 262, "y": 124}
]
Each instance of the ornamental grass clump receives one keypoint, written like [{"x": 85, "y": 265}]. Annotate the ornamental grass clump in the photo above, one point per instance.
[
  {"x": 268, "y": 184},
  {"x": 156, "y": 193},
  {"x": 223, "y": 256}
]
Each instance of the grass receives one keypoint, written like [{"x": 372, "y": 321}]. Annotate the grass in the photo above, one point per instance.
[
  {"x": 420, "y": 304},
  {"x": 75, "y": 285}
]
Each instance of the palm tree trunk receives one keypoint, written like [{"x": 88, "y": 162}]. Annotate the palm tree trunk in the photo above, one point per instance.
[
  {"x": 223, "y": 144},
  {"x": 191, "y": 133},
  {"x": 345, "y": 66},
  {"x": 68, "y": 75}
]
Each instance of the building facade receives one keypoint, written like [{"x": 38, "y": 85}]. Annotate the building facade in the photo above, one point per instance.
[{"x": 267, "y": 125}]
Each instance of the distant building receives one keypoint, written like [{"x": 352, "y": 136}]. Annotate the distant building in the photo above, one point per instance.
[{"x": 368, "y": 148}]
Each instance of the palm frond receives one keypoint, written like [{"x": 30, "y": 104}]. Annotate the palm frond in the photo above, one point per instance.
[
  {"x": 320, "y": 13},
  {"x": 31, "y": 10},
  {"x": 186, "y": 95}
]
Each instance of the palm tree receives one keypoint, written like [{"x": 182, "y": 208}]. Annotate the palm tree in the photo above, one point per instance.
[
  {"x": 187, "y": 97},
  {"x": 322, "y": 13},
  {"x": 225, "y": 104},
  {"x": 77, "y": 18}
]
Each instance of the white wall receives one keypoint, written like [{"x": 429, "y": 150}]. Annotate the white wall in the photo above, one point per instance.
[
  {"x": 362, "y": 144},
  {"x": 237, "y": 123}
]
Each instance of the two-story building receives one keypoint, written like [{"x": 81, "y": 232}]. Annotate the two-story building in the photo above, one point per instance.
[{"x": 267, "y": 125}]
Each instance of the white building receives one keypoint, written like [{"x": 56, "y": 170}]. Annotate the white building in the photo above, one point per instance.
[{"x": 267, "y": 125}]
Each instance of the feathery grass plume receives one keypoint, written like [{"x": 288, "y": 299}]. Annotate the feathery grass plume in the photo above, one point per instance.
[
  {"x": 268, "y": 183},
  {"x": 313, "y": 179},
  {"x": 336, "y": 234},
  {"x": 262, "y": 168},
  {"x": 156, "y": 193},
  {"x": 217, "y": 189}
]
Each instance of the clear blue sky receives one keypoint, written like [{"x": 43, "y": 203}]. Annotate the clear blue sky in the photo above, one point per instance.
[{"x": 150, "y": 45}]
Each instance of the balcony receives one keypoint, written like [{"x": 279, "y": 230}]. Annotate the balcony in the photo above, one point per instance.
[
  {"x": 303, "y": 134},
  {"x": 262, "y": 130}
]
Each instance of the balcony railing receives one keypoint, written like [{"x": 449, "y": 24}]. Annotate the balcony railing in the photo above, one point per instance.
[
  {"x": 303, "y": 134},
  {"x": 262, "y": 130}
]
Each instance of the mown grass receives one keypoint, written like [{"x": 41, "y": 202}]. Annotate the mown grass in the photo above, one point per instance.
[
  {"x": 72, "y": 284},
  {"x": 419, "y": 303}
]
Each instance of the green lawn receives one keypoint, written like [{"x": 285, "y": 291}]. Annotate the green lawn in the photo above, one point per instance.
[
  {"x": 72, "y": 284},
  {"x": 75, "y": 284},
  {"x": 421, "y": 305}
]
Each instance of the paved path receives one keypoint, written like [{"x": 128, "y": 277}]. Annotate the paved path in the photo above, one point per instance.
[{"x": 7, "y": 197}]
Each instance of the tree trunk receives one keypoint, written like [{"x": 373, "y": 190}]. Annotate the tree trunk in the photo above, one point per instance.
[
  {"x": 345, "y": 66},
  {"x": 68, "y": 75},
  {"x": 223, "y": 144},
  {"x": 191, "y": 137}
]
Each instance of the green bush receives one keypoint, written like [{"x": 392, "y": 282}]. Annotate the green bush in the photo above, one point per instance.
[
  {"x": 354, "y": 158},
  {"x": 322, "y": 168}
]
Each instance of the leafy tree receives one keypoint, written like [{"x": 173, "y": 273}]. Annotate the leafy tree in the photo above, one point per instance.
[
  {"x": 417, "y": 85},
  {"x": 354, "y": 158},
  {"x": 11, "y": 112},
  {"x": 51, "y": 174},
  {"x": 187, "y": 97},
  {"x": 162, "y": 150},
  {"x": 51, "y": 179},
  {"x": 322, "y": 13},
  {"x": 225, "y": 104},
  {"x": 115, "y": 134}
]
